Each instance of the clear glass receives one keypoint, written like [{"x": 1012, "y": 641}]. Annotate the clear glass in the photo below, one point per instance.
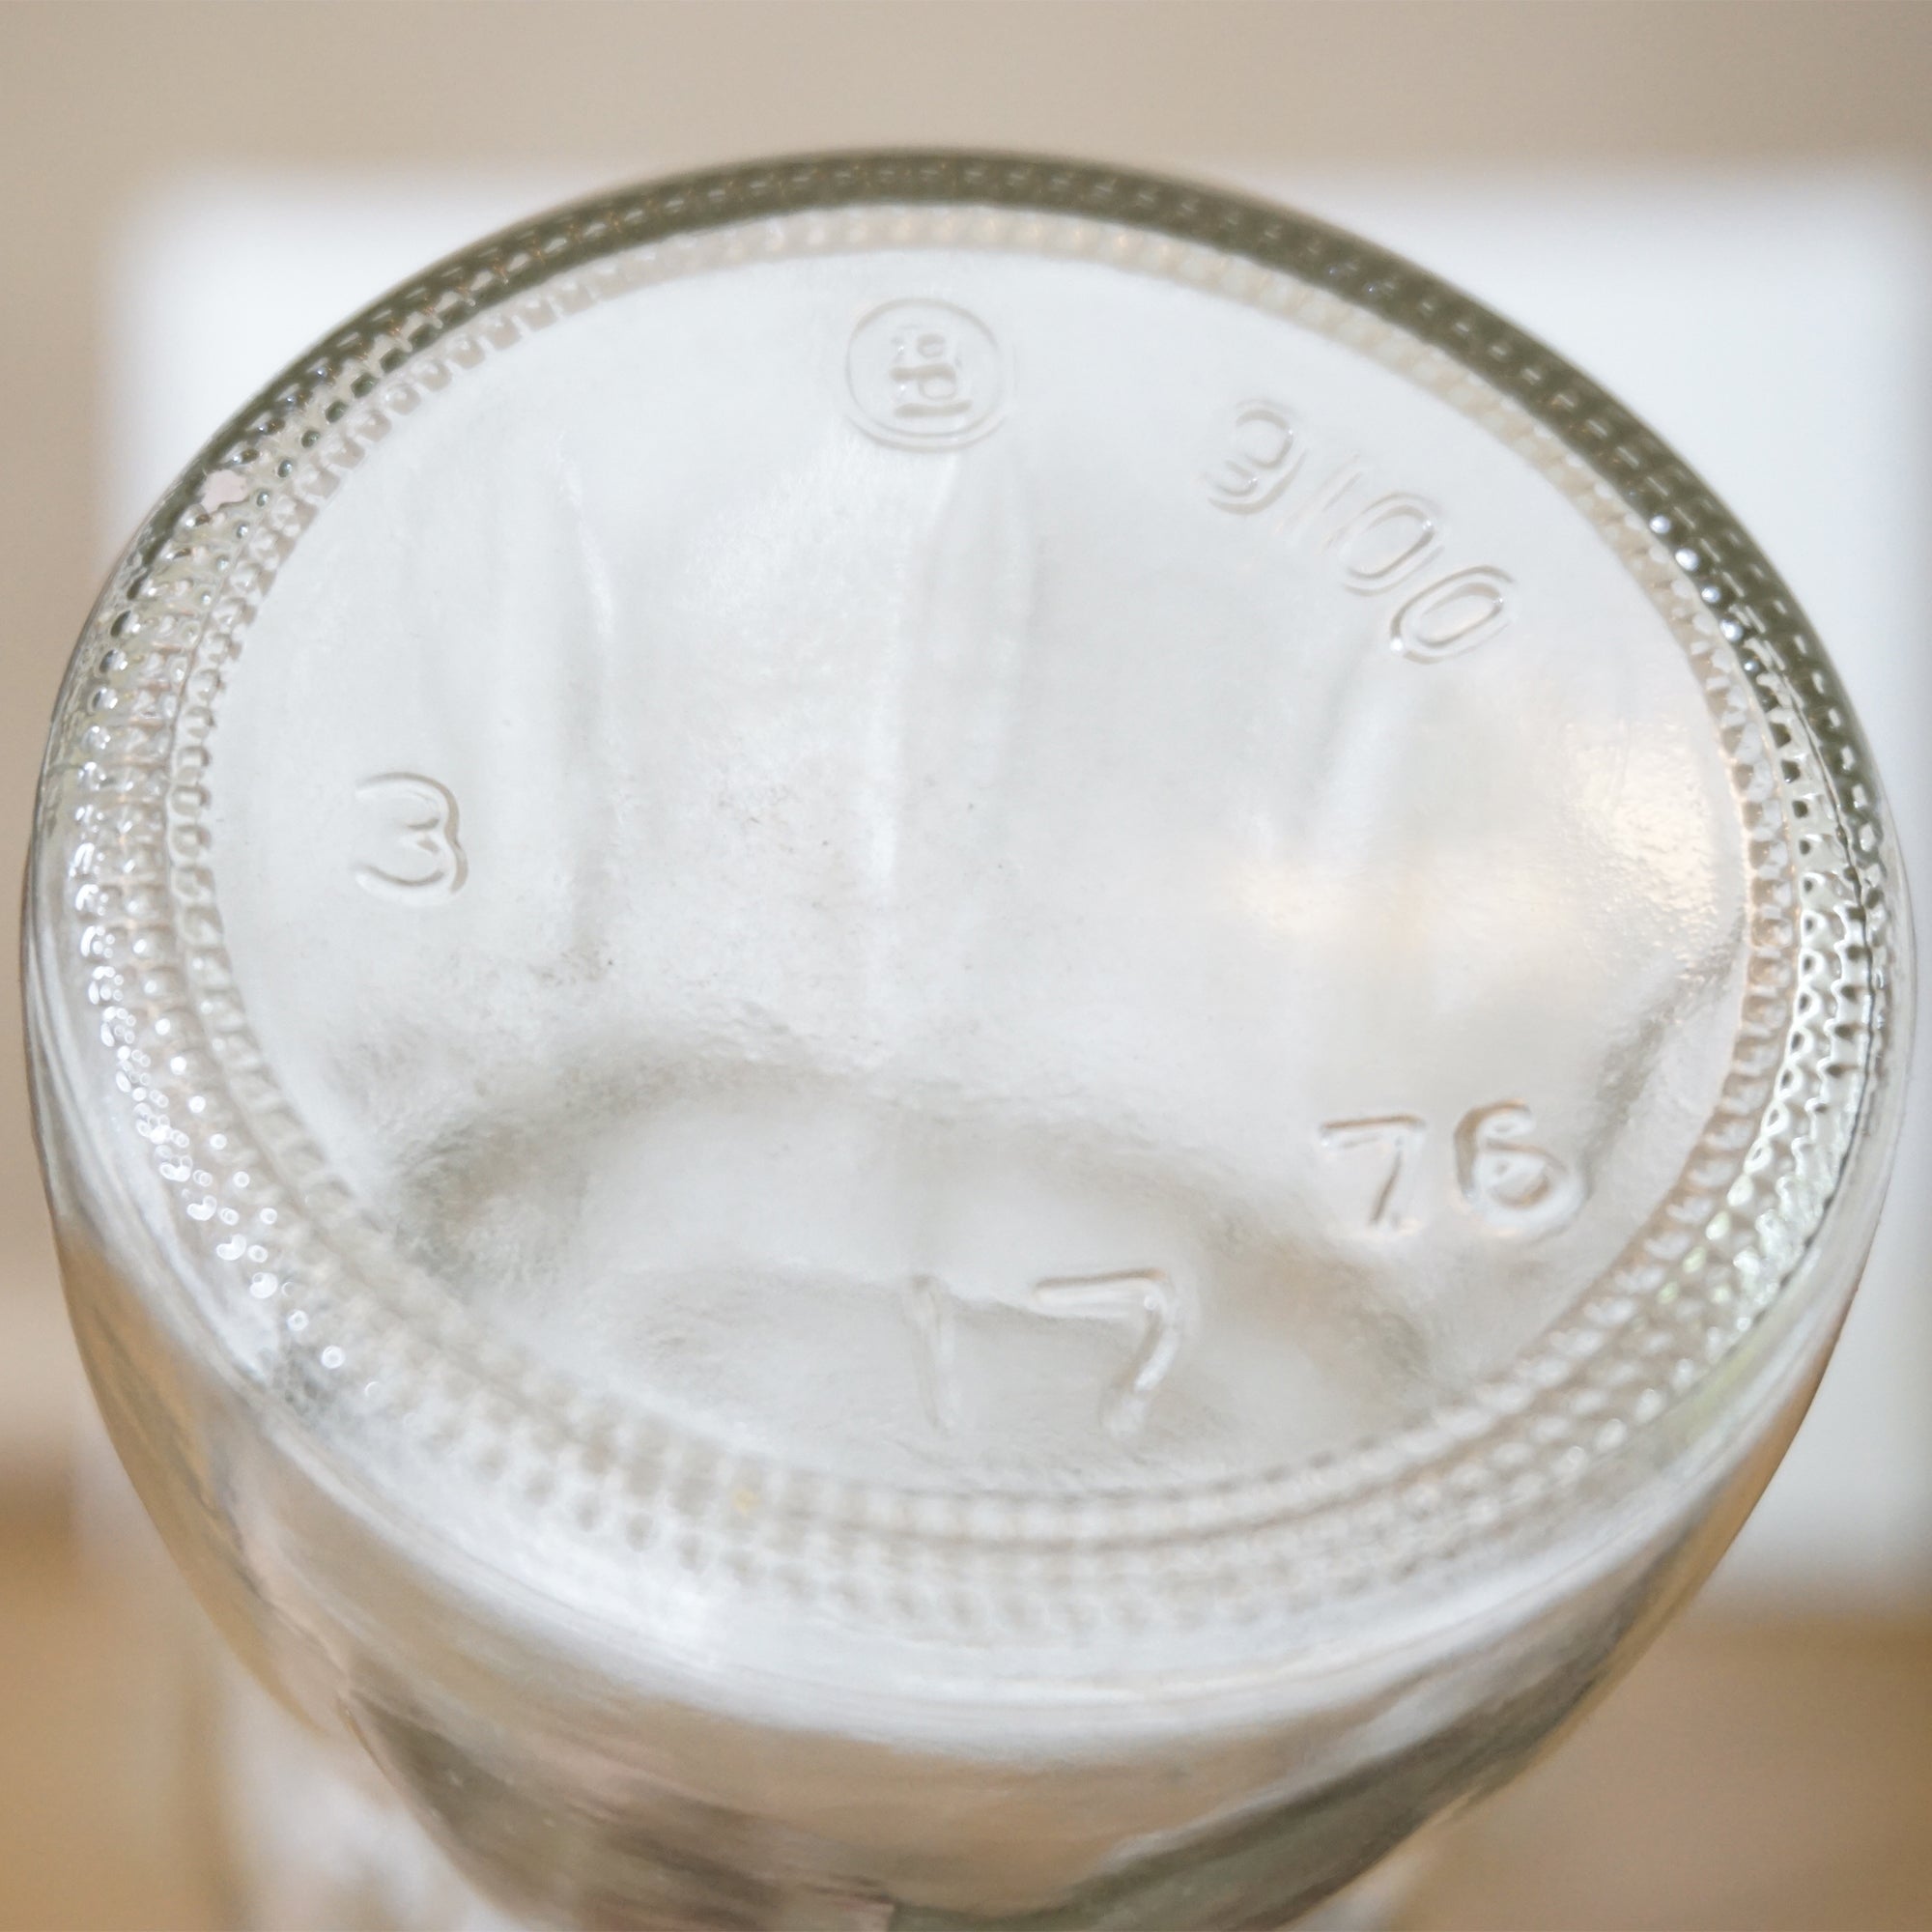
[{"x": 950, "y": 1042}]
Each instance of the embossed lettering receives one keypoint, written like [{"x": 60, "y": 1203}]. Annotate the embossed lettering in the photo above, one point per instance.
[
  {"x": 1510, "y": 1181},
  {"x": 1157, "y": 1312},
  {"x": 1453, "y": 616},
  {"x": 927, "y": 382},
  {"x": 1400, "y": 1136},
  {"x": 1387, "y": 543},
  {"x": 1517, "y": 1187},
  {"x": 925, "y": 375},
  {"x": 1392, "y": 545},
  {"x": 1258, "y": 462},
  {"x": 929, "y": 1303},
  {"x": 413, "y": 819},
  {"x": 1147, "y": 1300}
]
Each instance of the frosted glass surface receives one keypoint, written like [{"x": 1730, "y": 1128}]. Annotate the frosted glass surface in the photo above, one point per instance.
[
  {"x": 1635, "y": 275},
  {"x": 945, "y": 931}
]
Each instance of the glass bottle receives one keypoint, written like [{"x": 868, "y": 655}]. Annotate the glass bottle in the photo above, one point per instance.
[{"x": 936, "y": 1041}]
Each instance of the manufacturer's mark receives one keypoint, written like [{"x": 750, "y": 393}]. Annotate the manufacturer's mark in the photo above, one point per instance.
[{"x": 925, "y": 375}]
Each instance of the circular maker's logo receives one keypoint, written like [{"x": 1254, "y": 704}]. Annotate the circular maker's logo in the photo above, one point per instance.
[{"x": 925, "y": 375}]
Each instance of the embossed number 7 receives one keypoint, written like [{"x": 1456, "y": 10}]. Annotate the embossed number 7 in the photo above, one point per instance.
[
  {"x": 1146, "y": 1299},
  {"x": 1402, "y": 1134}
]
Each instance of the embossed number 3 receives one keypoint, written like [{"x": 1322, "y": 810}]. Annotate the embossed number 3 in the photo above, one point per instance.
[{"x": 416, "y": 817}]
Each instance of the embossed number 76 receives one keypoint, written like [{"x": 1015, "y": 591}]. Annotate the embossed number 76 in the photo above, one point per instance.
[{"x": 1515, "y": 1186}]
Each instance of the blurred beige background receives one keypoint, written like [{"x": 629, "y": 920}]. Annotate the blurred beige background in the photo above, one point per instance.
[{"x": 1754, "y": 1774}]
